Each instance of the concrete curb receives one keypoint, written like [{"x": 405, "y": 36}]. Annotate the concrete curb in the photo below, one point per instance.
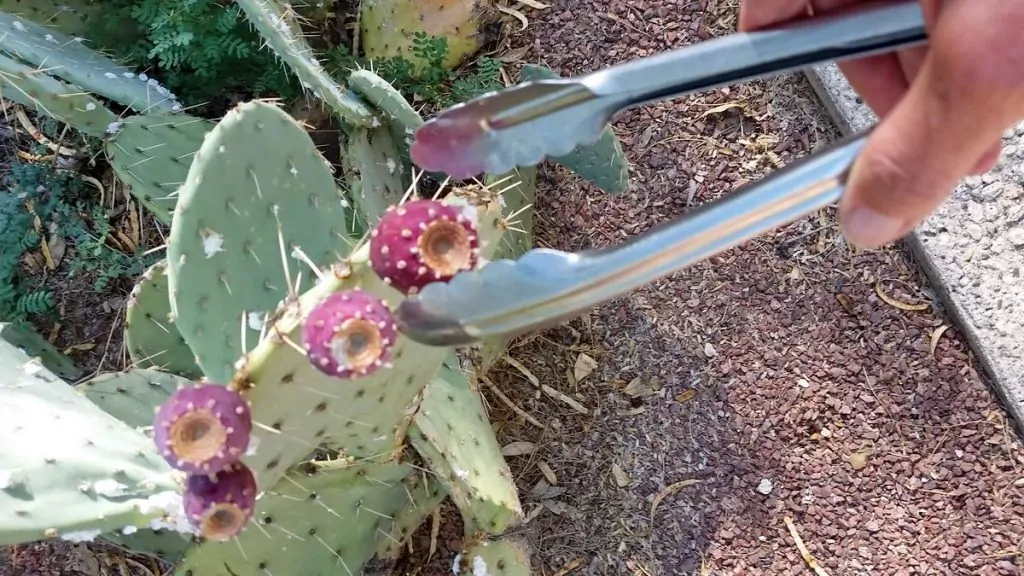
[{"x": 972, "y": 248}]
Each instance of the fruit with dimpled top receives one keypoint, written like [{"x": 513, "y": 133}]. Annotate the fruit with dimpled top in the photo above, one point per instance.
[
  {"x": 202, "y": 429},
  {"x": 220, "y": 505},
  {"x": 349, "y": 334}
]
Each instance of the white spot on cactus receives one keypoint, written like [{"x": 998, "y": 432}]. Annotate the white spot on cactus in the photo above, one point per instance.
[
  {"x": 212, "y": 243},
  {"x": 462, "y": 474},
  {"x": 176, "y": 107},
  {"x": 113, "y": 128},
  {"x": 9, "y": 479},
  {"x": 51, "y": 39},
  {"x": 254, "y": 443},
  {"x": 171, "y": 509},
  {"x": 32, "y": 367},
  {"x": 111, "y": 75},
  {"x": 129, "y": 530},
  {"x": 468, "y": 210},
  {"x": 81, "y": 535},
  {"x": 392, "y": 165},
  {"x": 19, "y": 26},
  {"x": 480, "y": 566},
  {"x": 128, "y": 74},
  {"x": 79, "y": 39},
  {"x": 376, "y": 122},
  {"x": 256, "y": 321},
  {"x": 143, "y": 77},
  {"x": 109, "y": 488},
  {"x": 90, "y": 106}
]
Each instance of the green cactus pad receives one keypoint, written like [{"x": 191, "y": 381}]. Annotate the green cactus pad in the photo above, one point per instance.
[
  {"x": 30, "y": 342},
  {"x": 69, "y": 59},
  {"x": 67, "y": 468},
  {"x": 152, "y": 154},
  {"x": 375, "y": 161},
  {"x": 81, "y": 18},
  {"x": 519, "y": 192},
  {"x": 277, "y": 25},
  {"x": 324, "y": 523},
  {"x": 401, "y": 118},
  {"x": 389, "y": 27},
  {"x": 302, "y": 408},
  {"x": 152, "y": 339},
  {"x": 131, "y": 396},
  {"x": 426, "y": 493},
  {"x": 256, "y": 173},
  {"x": 47, "y": 95},
  {"x": 503, "y": 557},
  {"x": 453, "y": 434},
  {"x": 602, "y": 163}
]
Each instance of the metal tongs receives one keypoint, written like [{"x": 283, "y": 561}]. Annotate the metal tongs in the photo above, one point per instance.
[{"x": 523, "y": 124}]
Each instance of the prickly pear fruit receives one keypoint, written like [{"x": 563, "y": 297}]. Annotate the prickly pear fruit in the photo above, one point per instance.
[
  {"x": 202, "y": 429},
  {"x": 423, "y": 241},
  {"x": 220, "y": 505},
  {"x": 350, "y": 334}
]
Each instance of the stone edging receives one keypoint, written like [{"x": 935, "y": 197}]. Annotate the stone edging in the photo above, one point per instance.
[{"x": 972, "y": 248}]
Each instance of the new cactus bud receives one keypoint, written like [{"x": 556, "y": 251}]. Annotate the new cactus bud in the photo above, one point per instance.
[
  {"x": 423, "y": 241},
  {"x": 349, "y": 334},
  {"x": 220, "y": 505},
  {"x": 203, "y": 429}
]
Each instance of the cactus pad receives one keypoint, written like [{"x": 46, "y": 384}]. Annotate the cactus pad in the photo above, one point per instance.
[
  {"x": 31, "y": 343},
  {"x": 69, "y": 469},
  {"x": 389, "y": 27},
  {"x": 277, "y": 24},
  {"x": 69, "y": 59},
  {"x": 329, "y": 516},
  {"x": 422, "y": 241},
  {"x": 202, "y": 429},
  {"x": 602, "y": 163},
  {"x": 131, "y": 396},
  {"x": 426, "y": 494},
  {"x": 150, "y": 335},
  {"x": 152, "y": 154},
  {"x": 502, "y": 557},
  {"x": 453, "y": 434},
  {"x": 240, "y": 220},
  {"x": 47, "y": 95},
  {"x": 349, "y": 334},
  {"x": 401, "y": 118},
  {"x": 374, "y": 168}
]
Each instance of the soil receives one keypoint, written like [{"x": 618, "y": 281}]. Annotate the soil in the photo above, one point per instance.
[{"x": 790, "y": 378}]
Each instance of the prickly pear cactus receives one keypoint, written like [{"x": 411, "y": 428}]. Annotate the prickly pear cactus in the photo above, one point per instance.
[
  {"x": 277, "y": 23},
  {"x": 76, "y": 18},
  {"x": 400, "y": 118},
  {"x": 150, "y": 334},
  {"x": 131, "y": 396},
  {"x": 69, "y": 469},
  {"x": 152, "y": 154},
  {"x": 494, "y": 558},
  {"x": 389, "y": 27},
  {"x": 602, "y": 163},
  {"x": 47, "y": 95},
  {"x": 69, "y": 59},
  {"x": 375, "y": 171},
  {"x": 258, "y": 199}
]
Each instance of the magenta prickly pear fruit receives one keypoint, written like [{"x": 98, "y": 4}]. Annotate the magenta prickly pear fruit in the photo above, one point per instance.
[
  {"x": 202, "y": 429},
  {"x": 220, "y": 505},
  {"x": 349, "y": 334},
  {"x": 420, "y": 242}
]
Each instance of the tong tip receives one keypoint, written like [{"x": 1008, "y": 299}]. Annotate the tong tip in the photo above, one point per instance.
[{"x": 420, "y": 325}]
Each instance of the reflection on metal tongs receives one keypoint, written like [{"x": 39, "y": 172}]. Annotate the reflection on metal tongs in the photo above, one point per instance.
[{"x": 523, "y": 124}]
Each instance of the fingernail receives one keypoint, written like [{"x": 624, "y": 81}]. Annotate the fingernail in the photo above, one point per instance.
[{"x": 866, "y": 228}]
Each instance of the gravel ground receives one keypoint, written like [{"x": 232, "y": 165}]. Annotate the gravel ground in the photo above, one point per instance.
[{"x": 790, "y": 378}]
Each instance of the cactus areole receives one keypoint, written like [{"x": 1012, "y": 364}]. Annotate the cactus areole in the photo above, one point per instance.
[
  {"x": 423, "y": 241},
  {"x": 350, "y": 334},
  {"x": 202, "y": 429},
  {"x": 220, "y": 505}
]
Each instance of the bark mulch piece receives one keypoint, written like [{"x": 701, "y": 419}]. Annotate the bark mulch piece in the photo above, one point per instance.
[{"x": 791, "y": 377}]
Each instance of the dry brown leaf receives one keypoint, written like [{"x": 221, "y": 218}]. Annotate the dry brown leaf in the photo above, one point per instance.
[
  {"x": 936, "y": 335},
  {"x": 83, "y": 347},
  {"x": 517, "y": 15},
  {"x": 518, "y": 448},
  {"x": 513, "y": 56},
  {"x": 45, "y": 248},
  {"x": 56, "y": 247},
  {"x": 548, "y": 473},
  {"x": 847, "y": 304},
  {"x": 896, "y": 303},
  {"x": 642, "y": 386},
  {"x": 668, "y": 491},
  {"x": 727, "y": 106},
  {"x": 621, "y": 478},
  {"x": 133, "y": 224},
  {"x": 686, "y": 395},
  {"x": 534, "y": 4},
  {"x": 585, "y": 366},
  {"x": 859, "y": 460},
  {"x": 571, "y": 566}
]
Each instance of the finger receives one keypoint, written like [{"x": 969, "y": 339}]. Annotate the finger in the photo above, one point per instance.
[
  {"x": 879, "y": 80},
  {"x": 913, "y": 160}
]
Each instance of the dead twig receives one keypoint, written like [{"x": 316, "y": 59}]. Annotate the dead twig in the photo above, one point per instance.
[
  {"x": 508, "y": 402},
  {"x": 804, "y": 552}
]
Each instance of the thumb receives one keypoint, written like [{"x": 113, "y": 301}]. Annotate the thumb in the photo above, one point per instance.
[{"x": 939, "y": 132}]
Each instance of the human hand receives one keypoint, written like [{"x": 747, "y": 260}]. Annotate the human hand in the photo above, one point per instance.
[{"x": 942, "y": 108}]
